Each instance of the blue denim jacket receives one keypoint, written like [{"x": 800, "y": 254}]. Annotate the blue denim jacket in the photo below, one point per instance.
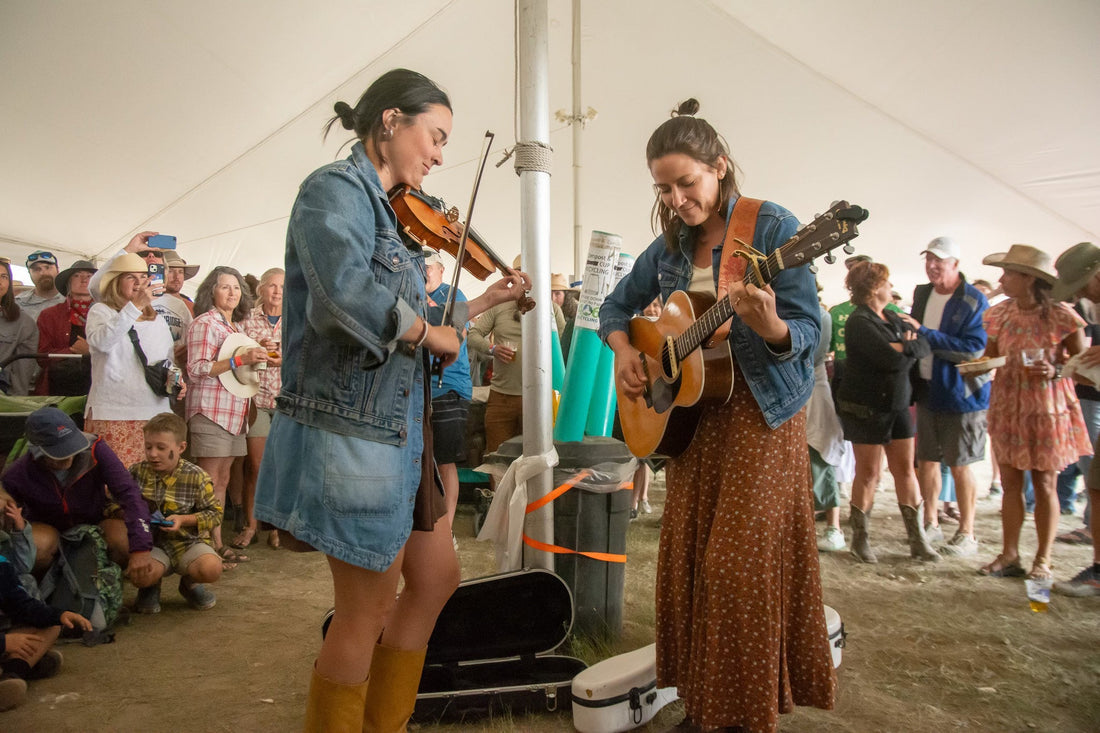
[
  {"x": 781, "y": 383},
  {"x": 352, "y": 288}
]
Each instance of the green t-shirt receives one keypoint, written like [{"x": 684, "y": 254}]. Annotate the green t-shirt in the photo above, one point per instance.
[{"x": 839, "y": 314}]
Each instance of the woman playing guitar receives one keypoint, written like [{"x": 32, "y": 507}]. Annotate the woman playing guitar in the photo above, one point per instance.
[{"x": 740, "y": 623}]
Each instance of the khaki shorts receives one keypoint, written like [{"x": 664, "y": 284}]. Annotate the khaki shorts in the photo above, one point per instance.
[
  {"x": 952, "y": 438},
  {"x": 210, "y": 440},
  {"x": 193, "y": 553},
  {"x": 262, "y": 426}
]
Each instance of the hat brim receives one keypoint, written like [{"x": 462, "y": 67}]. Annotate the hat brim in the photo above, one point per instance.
[
  {"x": 939, "y": 254},
  {"x": 189, "y": 271},
  {"x": 1067, "y": 289},
  {"x": 63, "y": 277},
  {"x": 231, "y": 380},
  {"x": 76, "y": 443},
  {"x": 998, "y": 260}
]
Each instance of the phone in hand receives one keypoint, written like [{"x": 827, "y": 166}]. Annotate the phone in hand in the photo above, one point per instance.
[
  {"x": 160, "y": 241},
  {"x": 156, "y": 280}
]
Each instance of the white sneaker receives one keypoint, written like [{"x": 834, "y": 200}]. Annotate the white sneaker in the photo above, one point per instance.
[
  {"x": 646, "y": 508},
  {"x": 831, "y": 541},
  {"x": 961, "y": 545}
]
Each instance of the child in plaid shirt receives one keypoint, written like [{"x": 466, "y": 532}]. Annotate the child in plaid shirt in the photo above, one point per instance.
[{"x": 184, "y": 494}]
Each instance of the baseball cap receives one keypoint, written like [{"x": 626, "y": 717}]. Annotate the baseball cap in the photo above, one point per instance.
[
  {"x": 52, "y": 433},
  {"x": 943, "y": 248},
  {"x": 41, "y": 256}
]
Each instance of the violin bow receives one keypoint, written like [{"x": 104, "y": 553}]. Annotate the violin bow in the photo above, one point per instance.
[{"x": 460, "y": 255}]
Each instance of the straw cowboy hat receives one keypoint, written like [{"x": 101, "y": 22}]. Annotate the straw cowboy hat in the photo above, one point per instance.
[
  {"x": 1023, "y": 258},
  {"x": 1075, "y": 267},
  {"x": 63, "y": 277},
  {"x": 245, "y": 381},
  {"x": 128, "y": 262},
  {"x": 172, "y": 259},
  {"x": 558, "y": 282}
]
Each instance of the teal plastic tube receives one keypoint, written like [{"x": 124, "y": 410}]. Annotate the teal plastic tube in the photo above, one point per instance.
[
  {"x": 601, "y": 408},
  {"x": 576, "y": 394},
  {"x": 557, "y": 361}
]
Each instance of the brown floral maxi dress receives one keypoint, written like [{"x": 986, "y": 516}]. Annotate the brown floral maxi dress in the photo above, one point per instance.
[{"x": 740, "y": 621}]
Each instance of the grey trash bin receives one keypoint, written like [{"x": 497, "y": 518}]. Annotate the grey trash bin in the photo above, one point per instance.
[{"x": 593, "y": 516}]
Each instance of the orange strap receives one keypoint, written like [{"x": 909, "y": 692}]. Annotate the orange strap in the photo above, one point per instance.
[
  {"x": 558, "y": 491},
  {"x": 740, "y": 231}
]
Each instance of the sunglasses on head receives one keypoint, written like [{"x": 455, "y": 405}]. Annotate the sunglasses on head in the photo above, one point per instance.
[{"x": 41, "y": 256}]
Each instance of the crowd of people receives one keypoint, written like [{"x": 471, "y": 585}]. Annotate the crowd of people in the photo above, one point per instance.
[
  {"x": 899, "y": 393},
  {"x": 325, "y": 396}
]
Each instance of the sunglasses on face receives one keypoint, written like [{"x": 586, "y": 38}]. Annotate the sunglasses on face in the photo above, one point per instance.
[{"x": 149, "y": 253}]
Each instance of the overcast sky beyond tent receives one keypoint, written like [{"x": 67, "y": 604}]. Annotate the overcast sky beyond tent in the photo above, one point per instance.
[{"x": 974, "y": 119}]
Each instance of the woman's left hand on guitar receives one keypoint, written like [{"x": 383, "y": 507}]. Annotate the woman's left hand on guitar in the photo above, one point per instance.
[{"x": 756, "y": 307}]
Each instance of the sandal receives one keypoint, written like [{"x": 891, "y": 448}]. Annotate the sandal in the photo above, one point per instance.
[
  {"x": 228, "y": 554},
  {"x": 1079, "y": 536},
  {"x": 244, "y": 538},
  {"x": 1000, "y": 568},
  {"x": 1040, "y": 571},
  {"x": 273, "y": 539}
]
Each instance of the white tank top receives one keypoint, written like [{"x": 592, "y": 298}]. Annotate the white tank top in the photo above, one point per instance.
[{"x": 702, "y": 280}]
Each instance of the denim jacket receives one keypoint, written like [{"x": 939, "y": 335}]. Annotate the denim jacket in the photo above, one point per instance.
[
  {"x": 352, "y": 288},
  {"x": 780, "y": 382}
]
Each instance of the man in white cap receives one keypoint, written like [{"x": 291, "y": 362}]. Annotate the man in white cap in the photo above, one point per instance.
[
  {"x": 950, "y": 407},
  {"x": 1079, "y": 275}
]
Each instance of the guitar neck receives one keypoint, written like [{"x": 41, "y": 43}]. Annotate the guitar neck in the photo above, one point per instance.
[{"x": 722, "y": 311}]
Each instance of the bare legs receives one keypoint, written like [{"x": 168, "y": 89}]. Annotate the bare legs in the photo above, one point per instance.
[
  {"x": 1012, "y": 513},
  {"x": 899, "y": 460},
  {"x": 218, "y": 468}
]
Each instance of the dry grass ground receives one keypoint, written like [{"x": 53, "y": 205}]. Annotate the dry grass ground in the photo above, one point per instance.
[{"x": 930, "y": 647}]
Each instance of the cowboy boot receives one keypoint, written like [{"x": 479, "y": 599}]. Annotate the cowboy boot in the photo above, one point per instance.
[
  {"x": 334, "y": 707},
  {"x": 391, "y": 697},
  {"x": 860, "y": 523},
  {"x": 919, "y": 546}
]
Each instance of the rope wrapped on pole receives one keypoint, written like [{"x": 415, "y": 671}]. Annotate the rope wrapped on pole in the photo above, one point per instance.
[{"x": 534, "y": 157}]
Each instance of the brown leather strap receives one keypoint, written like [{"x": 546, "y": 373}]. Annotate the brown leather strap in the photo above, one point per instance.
[{"x": 742, "y": 227}]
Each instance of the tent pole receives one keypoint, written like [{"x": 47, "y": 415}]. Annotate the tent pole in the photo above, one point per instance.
[
  {"x": 579, "y": 253},
  {"x": 533, "y": 50}
]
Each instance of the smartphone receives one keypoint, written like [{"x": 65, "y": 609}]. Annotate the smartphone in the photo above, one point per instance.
[
  {"x": 161, "y": 241},
  {"x": 156, "y": 279}
]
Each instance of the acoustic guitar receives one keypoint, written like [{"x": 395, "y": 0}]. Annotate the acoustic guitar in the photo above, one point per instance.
[{"x": 682, "y": 378}]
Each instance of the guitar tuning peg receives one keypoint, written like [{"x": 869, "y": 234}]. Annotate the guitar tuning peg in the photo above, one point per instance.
[
  {"x": 830, "y": 258},
  {"x": 813, "y": 269},
  {"x": 849, "y": 249}
]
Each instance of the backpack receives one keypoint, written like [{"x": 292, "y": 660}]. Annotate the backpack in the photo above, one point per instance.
[{"x": 83, "y": 579}]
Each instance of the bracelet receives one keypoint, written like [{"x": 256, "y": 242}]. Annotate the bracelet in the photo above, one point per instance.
[
  {"x": 423, "y": 336},
  {"x": 233, "y": 364}
]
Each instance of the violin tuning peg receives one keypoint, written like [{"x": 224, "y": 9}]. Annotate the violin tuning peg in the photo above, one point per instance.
[
  {"x": 813, "y": 269},
  {"x": 849, "y": 249},
  {"x": 830, "y": 258}
]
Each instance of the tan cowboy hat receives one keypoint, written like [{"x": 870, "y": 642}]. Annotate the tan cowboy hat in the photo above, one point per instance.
[
  {"x": 1023, "y": 258},
  {"x": 172, "y": 259},
  {"x": 1076, "y": 266},
  {"x": 245, "y": 381},
  {"x": 128, "y": 262},
  {"x": 558, "y": 282}
]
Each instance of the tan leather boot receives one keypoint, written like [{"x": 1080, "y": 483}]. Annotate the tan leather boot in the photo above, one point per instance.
[
  {"x": 919, "y": 546},
  {"x": 861, "y": 533},
  {"x": 333, "y": 707},
  {"x": 391, "y": 697}
]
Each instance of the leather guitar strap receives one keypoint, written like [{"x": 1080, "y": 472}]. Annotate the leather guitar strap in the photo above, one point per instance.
[{"x": 742, "y": 227}]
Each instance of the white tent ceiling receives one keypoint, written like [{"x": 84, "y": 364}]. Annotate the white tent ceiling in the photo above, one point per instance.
[{"x": 975, "y": 119}]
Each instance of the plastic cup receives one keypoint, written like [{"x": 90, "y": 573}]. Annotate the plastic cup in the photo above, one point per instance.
[{"x": 1038, "y": 593}]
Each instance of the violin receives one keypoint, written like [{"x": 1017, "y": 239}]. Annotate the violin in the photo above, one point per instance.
[{"x": 428, "y": 221}]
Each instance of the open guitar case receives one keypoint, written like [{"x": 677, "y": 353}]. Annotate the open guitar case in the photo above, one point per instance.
[{"x": 492, "y": 649}]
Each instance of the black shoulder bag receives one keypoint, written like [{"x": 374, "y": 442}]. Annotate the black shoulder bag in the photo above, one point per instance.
[{"x": 156, "y": 375}]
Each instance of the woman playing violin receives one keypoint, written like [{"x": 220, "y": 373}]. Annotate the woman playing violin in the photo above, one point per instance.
[
  {"x": 740, "y": 623},
  {"x": 345, "y": 455}
]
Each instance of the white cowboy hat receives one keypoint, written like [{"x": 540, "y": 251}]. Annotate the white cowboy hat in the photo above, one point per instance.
[
  {"x": 245, "y": 381},
  {"x": 1026, "y": 259}
]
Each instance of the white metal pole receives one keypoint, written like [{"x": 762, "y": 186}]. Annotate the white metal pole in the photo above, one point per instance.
[
  {"x": 579, "y": 252},
  {"x": 534, "y": 96}
]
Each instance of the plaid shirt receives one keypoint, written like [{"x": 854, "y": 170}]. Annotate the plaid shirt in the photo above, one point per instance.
[
  {"x": 257, "y": 327},
  {"x": 205, "y": 394},
  {"x": 186, "y": 490}
]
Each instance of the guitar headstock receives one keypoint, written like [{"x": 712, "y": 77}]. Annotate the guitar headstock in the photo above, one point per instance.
[{"x": 835, "y": 228}]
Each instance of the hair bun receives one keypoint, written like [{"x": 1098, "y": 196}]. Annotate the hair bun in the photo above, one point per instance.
[
  {"x": 686, "y": 108},
  {"x": 346, "y": 114}
]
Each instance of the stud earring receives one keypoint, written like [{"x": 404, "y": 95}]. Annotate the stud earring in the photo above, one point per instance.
[{"x": 387, "y": 133}]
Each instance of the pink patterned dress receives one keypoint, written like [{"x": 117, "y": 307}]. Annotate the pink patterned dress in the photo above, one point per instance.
[{"x": 1033, "y": 423}]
